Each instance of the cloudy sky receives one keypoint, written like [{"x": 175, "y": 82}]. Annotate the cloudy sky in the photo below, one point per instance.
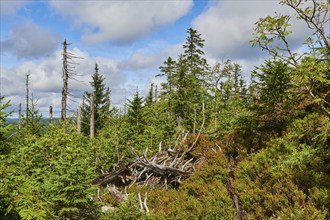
[{"x": 128, "y": 39}]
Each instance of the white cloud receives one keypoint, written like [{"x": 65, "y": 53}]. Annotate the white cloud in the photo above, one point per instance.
[
  {"x": 10, "y": 7},
  {"x": 121, "y": 21},
  {"x": 141, "y": 61},
  {"x": 46, "y": 81},
  {"x": 227, "y": 27},
  {"x": 29, "y": 40}
]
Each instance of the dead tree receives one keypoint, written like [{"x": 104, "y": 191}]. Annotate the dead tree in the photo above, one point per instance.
[
  {"x": 27, "y": 96},
  {"x": 156, "y": 93},
  {"x": 65, "y": 81},
  {"x": 92, "y": 129},
  {"x": 50, "y": 114},
  {"x": 19, "y": 115},
  {"x": 68, "y": 73},
  {"x": 79, "y": 120}
]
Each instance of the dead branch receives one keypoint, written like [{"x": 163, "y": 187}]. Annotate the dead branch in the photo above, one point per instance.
[{"x": 116, "y": 193}]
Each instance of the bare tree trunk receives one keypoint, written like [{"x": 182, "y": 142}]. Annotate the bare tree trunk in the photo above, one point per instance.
[
  {"x": 50, "y": 114},
  {"x": 92, "y": 129},
  {"x": 79, "y": 120},
  {"x": 156, "y": 93},
  {"x": 195, "y": 119},
  {"x": 117, "y": 146},
  {"x": 27, "y": 97},
  {"x": 19, "y": 116},
  {"x": 65, "y": 82}
]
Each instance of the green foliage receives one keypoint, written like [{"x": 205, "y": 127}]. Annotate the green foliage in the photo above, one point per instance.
[
  {"x": 135, "y": 116},
  {"x": 4, "y": 153},
  {"x": 270, "y": 34},
  {"x": 45, "y": 176},
  {"x": 280, "y": 180},
  {"x": 311, "y": 85},
  {"x": 136, "y": 122},
  {"x": 101, "y": 95},
  {"x": 273, "y": 135},
  {"x": 202, "y": 196},
  {"x": 185, "y": 89},
  {"x": 127, "y": 210},
  {"x": 150, "y": 98},
  {"x": 271, "y": 82},
  {"x": 4, "y": 128},
  {"x": 159, "y": 126},
  {"x": 33, "y": 124},
  {"x": 168, "y": 70}
]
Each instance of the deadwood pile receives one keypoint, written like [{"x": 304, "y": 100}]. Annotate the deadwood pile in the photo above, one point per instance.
[{"x": 165, "y": 168}]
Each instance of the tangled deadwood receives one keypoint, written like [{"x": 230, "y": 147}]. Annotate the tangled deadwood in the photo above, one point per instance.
[{"x": 163, "y": 168}]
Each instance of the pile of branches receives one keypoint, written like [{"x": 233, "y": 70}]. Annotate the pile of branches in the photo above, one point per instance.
[{"x": 165, "y": 167}]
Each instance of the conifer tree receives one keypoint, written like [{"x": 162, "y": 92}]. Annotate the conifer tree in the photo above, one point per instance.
[
  {"x": 169, "y": 86},
  {"x": 33, "y": 124},
  {"x": 272, "y": 80},
  {"x": 135, "y": 115},
  {"x": 168, "y": 70},
  {"x": 134, "y": 124},
  {"x": 193, "y": 52},
  {"x": 4, "y": 128},
  {"x": 101, "y": 95},
  {"x": 150, "y": 98},
  {"x": 190, "y": 81}
]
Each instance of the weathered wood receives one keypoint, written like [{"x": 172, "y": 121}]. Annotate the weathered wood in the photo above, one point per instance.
[
  {"x": 92, "y": 116},
  {"x": 27, "y": 97},
  {"x": 79, "y": 120},
  {"x": 116, "y": 193},
  {"x": 65, "y": 81},
  {"x": 165, "y": 167},
  {"x": 50, "y": 114},
  {"x": 19, "y": 116},
  {"x": 116, "y": 177}
]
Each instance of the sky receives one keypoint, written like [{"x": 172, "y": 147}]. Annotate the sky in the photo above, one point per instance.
[{"x": 128, "y": 39}]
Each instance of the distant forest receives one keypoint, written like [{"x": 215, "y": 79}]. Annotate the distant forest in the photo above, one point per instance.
[{"x": 204, "y": 145}]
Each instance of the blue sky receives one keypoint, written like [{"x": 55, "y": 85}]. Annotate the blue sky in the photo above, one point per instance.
[{"x": 128, "y": 39}]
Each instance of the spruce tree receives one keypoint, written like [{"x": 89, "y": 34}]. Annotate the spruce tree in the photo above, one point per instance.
[
  {"x": 193, "y": 51},
  {"x": 4, "y": 128},
  {"x": 135, "y": 116},
  {"x": 168, "y": 70},
  {"x": 101, "y": 95},
  {"x": 271, "y": 104},
  {"x": 150, "y": 98},
  {"x": 192, "y": 70}
]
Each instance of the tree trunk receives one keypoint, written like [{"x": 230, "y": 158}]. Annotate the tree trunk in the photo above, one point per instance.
[
  {"x": 92, "y": 129},
  {"x": 79, "y": 120},
  {"x": 27, "y": 97},
  {"x": 19, "y": 116},
  {"x": 50, "y": 114},
  {"x": 65, "y": 82}
]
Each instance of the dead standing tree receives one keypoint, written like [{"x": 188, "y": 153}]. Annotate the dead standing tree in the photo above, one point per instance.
[
  {"x": 79, "y": 120},
  {"x": 50, "y": 114},
  {"x": 27, "y": 96},
  {"x": 92, "y": 117},
  {"x": 19, "y": 116},
  {"x": 67, "y": 74},
  {"x": 65, "y": 81}
]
